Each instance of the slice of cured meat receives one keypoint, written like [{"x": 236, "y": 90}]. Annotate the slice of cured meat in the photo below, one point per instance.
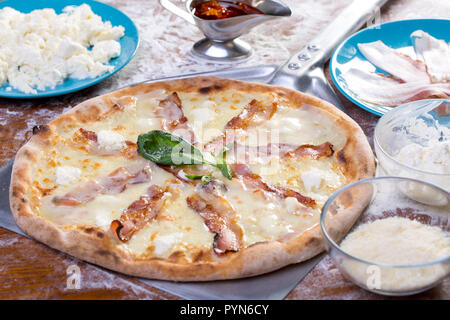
[
  {"x": 219, "y": 218},
  {"x": 435, "y": 53},
  {"x": 395, "y": 63},
  {"x": 253, "y": 114},
  {"x": 139, "y": 213},
  {"x": 239, "y": 153},
  {"x": 173, "y": 119},
  {"x": 384, "y": 91},
  {"x": 114, "y": 183},
  {"x": 253, "y": 181}
]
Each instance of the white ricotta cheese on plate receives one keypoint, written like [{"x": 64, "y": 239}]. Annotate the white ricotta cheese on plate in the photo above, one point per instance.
[
  {"x": 41, "y": 49},
  {"x": 106, "y": 50},
  {"x": 66, "y": 175}
]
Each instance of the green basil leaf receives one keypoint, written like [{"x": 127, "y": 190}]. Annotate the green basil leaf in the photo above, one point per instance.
[
  {"x": 222, "y": 165},
  {"x": 167, "y": 149}
]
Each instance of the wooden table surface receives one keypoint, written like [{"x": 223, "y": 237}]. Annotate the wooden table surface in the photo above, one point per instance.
[{"x": 31, "y": 270}]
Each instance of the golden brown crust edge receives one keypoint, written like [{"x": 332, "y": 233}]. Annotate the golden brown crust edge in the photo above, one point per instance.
[{"x": 97, "y": 247}]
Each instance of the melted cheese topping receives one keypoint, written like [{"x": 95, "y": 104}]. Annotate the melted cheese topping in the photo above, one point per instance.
[
  {"x": 178, "y": 229},
  {"x": 317, "y": 179},
  {"x": 297, "y": 126},
  {"x": 266, "y": 217}
]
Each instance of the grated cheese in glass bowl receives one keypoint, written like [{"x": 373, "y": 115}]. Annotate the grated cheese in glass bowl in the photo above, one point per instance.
[{"x": 386, "y": 239}]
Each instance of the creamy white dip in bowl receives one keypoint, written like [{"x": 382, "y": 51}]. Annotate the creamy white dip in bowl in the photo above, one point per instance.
[
  {"x": 386, "y": 241},
  {"x": 413, "y": 140}
]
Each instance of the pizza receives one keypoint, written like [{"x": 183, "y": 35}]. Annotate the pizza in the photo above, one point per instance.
[{"x": 189, "y": 180}]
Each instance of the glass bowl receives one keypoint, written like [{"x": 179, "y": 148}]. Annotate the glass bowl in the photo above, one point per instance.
[
  {"x": 420, "y": 122},
  {"x": 374, "y": 199}
]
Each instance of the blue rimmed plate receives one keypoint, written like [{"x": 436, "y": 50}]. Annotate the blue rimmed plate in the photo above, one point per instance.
[
  {"x": 129, "y": 43},
  {"x": 394, "y": 34}
]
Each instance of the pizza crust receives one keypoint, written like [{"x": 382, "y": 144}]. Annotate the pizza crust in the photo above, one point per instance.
[{"x": 94, "y": 245}]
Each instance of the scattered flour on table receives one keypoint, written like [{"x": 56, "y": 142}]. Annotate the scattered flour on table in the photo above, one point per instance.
[{"x": 92, "y": 277}]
